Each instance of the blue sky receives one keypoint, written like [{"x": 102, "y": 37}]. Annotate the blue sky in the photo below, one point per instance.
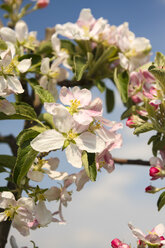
[{"x": 102, "y": 210}]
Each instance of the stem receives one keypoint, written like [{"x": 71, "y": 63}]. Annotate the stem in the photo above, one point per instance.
[{"x": 124, "y": 161}]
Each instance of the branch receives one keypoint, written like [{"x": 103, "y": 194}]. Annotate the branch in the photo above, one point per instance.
[
  {"x": 72, "y": 83},
  {"x": 123, "y": 161}
]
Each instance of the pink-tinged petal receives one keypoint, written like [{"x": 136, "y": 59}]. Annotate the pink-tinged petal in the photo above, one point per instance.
[
  {"x": 51, "y": 107},
  {"x": 6, "y": 107},
  {"x": 66, "y": 96},
  {"x": 24, "y": 65},
  {"x": 85, "y": 18},
  {"x": 14, "y": 85},
  {"x": 27, "y": 203},
  {"x": 81, "y": 179},
  {"x": 137, "y": 232},
  {"x": 43, "y": 215},
  {"x": 84, "y": 95},
  {"x": 21, "y": 30},
  {"x": 90, "y": 142},
  {"x": 159, "y": 230},
  {"x": 97, "y": 106},
  {"x": 48, "y": 141},
  {"x": 105, "y": 135},
  {"x": 73, "y": 155},
  {"x": 82, "y": 117},
  {"x": 7, "y": 34},
  {"x": 154, "y": 161},
  {"x": 45, "y": 65},
  {"x": 52, "y": 194},
  {"x": 44, "y": 82},
  {"x": 36, "y": 176}
]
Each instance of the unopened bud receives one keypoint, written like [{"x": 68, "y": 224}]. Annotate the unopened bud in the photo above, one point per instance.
[
  {"x": 151, "y": 189},
  {"x": 42, "y": 3},
  {"x": 115, "y": 243},
  {"x": 154, "y": 171}
]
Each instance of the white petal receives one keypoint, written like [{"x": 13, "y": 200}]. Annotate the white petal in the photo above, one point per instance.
[
  {"x": 81, "y": 179},
  {"x": 159, "y": 230},
  {"x": 7, "y": 34},
  {"x": 24, "y": 65},
  {"x": 52, "y": 194},
  {"x": 36, "y": 176},
  {"x": 73, "y": 155},
  {"x": 55, "y": 43},
  {"x": 45, "y": 65},
  {"x": 21, "y": 30},
  {"x": 90, "y": 142},
  {"x": 13, "y": 242},
  {"x": 26, "y": 202},
  {"x": 3, "y": 84},
  {"x": 3, "y": 217},
  {"x": 51, "y": 164},
  {"x": 6, "y": 107},
  {"x": 47, "y": 141},
  {"x": 14, "y": 85},
  {"x": 43, "y": 215}
]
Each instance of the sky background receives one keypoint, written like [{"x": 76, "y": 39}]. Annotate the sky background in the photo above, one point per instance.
[{"x": 102, "y": 210}]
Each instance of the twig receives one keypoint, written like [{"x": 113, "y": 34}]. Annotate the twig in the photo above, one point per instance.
[
  {"x": 124, "y": 161},
  {"x": 11, "y": 141}
]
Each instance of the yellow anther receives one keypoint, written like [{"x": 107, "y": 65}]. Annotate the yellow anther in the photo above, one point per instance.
[
  {"x": 71, "y": 135},
  {"x": 53, "y": 74},
  {"x": 131, "y": 53},
  {"x": 94, "y": 126},
  {"x": 74, "y": 106},
  {"x": 86, "y": 30},
  {"x": 39, "y": 164}
]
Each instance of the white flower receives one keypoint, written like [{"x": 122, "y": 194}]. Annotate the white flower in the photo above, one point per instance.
[
  {"x": 41, "y": 167},
  {"x": 20, "y": 212},
  {"x": 68, "y": 135}
]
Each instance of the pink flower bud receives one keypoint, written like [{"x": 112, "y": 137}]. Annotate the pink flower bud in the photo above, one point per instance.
[
  {"x": 154, "y": 171},
  {"x": 130, "y": 123},
  {"x": 42, "y": 3},
  {"x": 115, "y": 243},
  {"x": 150, "y": 189}
]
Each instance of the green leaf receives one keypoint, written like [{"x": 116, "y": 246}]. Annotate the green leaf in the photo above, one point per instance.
[
  {"x": 4, "y": 189},
  {"x": 110, "y": 100},
  {"x": 25, "y": 158},
  {"x": 144, "y": 128},
  {"x": 160, "y": 59},
  {"x": 44, "y": 95},
  {"x": 160, "y": 75},
  {"x": 3, "y": 45},
  {"x": 6, "y": 7},
  {"x": 45, "y": 48},
  {"x": 80, "y": 66},
  {"x": 23, "y": 111},
  {"x": 161, "y": 201},
  {"x": 68, "y": 45},
  {"x": 100, "y": 85},
  {"x": 27, "y": 134},
  {"x": 48, "y": 118},
  {"x": 122, "y": 80},
  {"x": 7, "y": 161},
  {"x": 36, "y": 58},
  {"x": 89, "y": 163}
]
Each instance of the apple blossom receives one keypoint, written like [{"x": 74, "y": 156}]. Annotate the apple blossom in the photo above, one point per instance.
[
  {"x": 157, "y": 169},
  {"x": 6, "y": 107},
  {"x": 20, "y": 211},
  {"x": 41, "y": 167},
  {"x": 51, "y": 75},
  {"x": 116, "y": 243},
  {"x": 68, "y": 135},
  {"x": 155, "y": 236}
]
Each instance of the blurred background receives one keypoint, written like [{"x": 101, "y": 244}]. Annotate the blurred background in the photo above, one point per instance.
[{"x": 102, "y": 210}]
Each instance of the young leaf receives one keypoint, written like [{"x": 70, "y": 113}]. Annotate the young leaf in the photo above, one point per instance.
[
  {"x": 122, "y": 80},
  {"x": 68, "y": 45},
  {"x": 25, "y": 157},
  {"x": 100, "y": 85},
  {"x": 80, "y": 66},
  {"x": 48, "y": 118},
  {"x": 160, "y": 75},
  {"x": 27, "y": 134},
  {"x": 88, "y": 160},
  {"x": 3, "y": 45},
  {"x": 44, "y": 95},
  {"x": 160, "y": 59},
  {"x": 161, "y": 201},
  {"x": 110, "y": 100},
  {"x": 144, "y": 128}
]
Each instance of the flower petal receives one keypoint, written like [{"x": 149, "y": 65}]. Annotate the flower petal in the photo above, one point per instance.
[
  {"x": 47, "y": 141},
  {"x": 73, "y": 155}
]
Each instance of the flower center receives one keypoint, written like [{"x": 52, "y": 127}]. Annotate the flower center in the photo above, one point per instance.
[
  {"x": 86, "y": 30},
  {"x": 74, "y": 106},
  {"x": 71, "y": 135},
  {"x": 94, "y": 126},
  {"x": 10, "y": 211}
]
